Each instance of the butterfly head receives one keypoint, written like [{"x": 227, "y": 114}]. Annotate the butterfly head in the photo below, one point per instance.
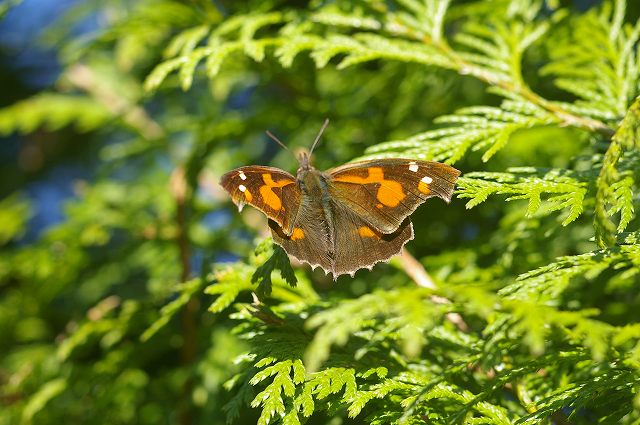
[
  {"x": 305, "y": 168},
  {"x": 305, "y": 161},
  {"x": 304, "y": 157}
]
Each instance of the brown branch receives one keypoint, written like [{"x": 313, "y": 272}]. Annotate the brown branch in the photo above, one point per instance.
[
  {"x": 464, "y": 67},
  {"x": 179, "y": 190},
  {"x": 416, "y": 271}
]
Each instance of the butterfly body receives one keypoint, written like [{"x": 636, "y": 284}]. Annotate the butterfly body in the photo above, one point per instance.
[{"x": 346, "y": 218}]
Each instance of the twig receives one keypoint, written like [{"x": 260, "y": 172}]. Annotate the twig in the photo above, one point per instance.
[
  {"x": 464, "y": 67},
  {"x": 179, "y": 189},
  {"x": 416, "y": 271}
]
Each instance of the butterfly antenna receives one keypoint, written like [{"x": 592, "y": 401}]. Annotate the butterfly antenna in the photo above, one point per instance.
[
  {"x": 275, "y": 139},
  {"x": 315, "y": 142}
]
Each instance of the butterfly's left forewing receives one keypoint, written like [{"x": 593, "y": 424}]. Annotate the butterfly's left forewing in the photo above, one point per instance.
[
  {"x": 271, "y": 190},
  {"x": 384, "y": 192}
]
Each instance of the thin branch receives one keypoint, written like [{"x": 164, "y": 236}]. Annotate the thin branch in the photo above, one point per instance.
[
  {"x": 416, "y": 271},
  {"x": 179, "y": 190},
  {"x": 465, "y": 67}
]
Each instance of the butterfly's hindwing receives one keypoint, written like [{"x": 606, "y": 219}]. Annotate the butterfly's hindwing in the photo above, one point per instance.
[
  {"x": 271, "y": 190},
  {"x": 341, "y": 243},
  {"x": 309, "y": 241},
  {"x": 385, "y": 192},
  {"x": 357, "y": 239}
]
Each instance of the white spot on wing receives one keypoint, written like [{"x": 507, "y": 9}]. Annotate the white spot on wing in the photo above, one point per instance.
[
  {"x": 242, "y": 176},
  {"x": 413, "y": 167},
  {"x": 243, "y": 188},
  {"x": 426, "y": 179}
]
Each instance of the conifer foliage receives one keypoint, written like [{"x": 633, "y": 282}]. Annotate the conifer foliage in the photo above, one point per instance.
[{"x": 154, "y": 301}]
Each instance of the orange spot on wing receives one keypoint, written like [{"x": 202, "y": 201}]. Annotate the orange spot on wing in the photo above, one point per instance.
[
  {"x": 390, "y": 192},
  {"x": 424, "y": 188},
  {"x": 268, "y": 195},
  {"x": 270, "y": 198},
  {"x": 366, "y": 232},
  {"x": 297, "y": 234},
  {"x": 248, "y": 196}
]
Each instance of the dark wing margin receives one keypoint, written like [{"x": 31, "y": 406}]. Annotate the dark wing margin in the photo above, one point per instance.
[
  {"x": 271, "y": 190},
  {"x": 385, "y": 192}
]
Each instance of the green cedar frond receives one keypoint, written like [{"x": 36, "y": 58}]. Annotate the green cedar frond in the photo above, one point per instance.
[
  {"x": 598, "y": 61},
  {"x": 277, "y": 261},
  {"x": 230, "y": 282},
  {"x": 362, "y": 314},
  {"x": 493, "y": 54},
  {"x": 186, "y": 291},
  {"x": 233, "y": 279},
  {"x": 186, "y": 42},
  {"x": 614, "y": 193},
  {"x": 291, "y": 389},
  {"x": 622, "y": 192},
  {"x": 282, "y": 384},
  {"x": 53, "y": 112},
  {"x": 185, "y": 56},
  {"x": 476, "y": 128},
  {"x": 548, "y": 282},
  {"x": 563, "y": 191},
  {"x": 600, "y": 389},
  {"x": 628, "y": 238}
]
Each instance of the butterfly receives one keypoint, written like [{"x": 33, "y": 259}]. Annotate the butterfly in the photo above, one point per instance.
[{"x": 344, "y": 219}]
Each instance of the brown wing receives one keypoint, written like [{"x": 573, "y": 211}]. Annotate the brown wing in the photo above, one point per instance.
[
  {"x": 310, "y": 240},
  {"x": 271, "y": 190},
  {"x": 359, "y": 245},
  {"x": 385, "y": 192},
  {"x": 343, "y": 246}
]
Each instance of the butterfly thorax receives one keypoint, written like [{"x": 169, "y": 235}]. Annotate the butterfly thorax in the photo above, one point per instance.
[
  {"x": 312, "y": 182},
  {"x": 316, "y": 197}
]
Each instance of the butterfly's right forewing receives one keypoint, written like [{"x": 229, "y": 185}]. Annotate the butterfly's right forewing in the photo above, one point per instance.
[
  {"x": 271, "y": 190},
  {"x": 385, "y": 192}
]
